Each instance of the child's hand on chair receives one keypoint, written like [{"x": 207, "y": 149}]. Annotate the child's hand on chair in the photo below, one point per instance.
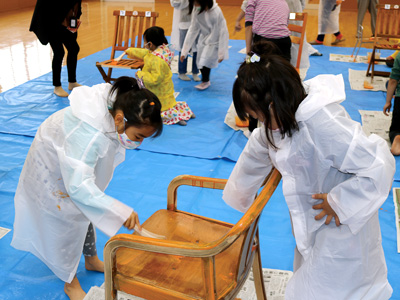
[
  {"x": 119, "y": 57},
  {"x": 132, "y": 221}
]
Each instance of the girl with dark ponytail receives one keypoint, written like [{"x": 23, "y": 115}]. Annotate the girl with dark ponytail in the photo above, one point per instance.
[{"x": 60, "y": 198}]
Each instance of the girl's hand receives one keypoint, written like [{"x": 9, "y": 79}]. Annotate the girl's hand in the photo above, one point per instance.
[
  {"x": 220, "y": 60},
  {"x": 182, "y": 58},
  {"x": 326, "y": 209},
  {"x": 387, "y": 107},
  {"x": 132, "y": 221},
  {"x": 120, "y": 57}
]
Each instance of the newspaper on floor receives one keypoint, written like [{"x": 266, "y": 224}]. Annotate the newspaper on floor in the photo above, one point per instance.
[
  {"x": 357, "y": 79},
  {"x": 4, "y": 231},
  {"x": 275, "y": 282},
  {"x": 396, "y": 200},
  {"x": 376, "y": 122},
  {"x": 349, "y": 58}
]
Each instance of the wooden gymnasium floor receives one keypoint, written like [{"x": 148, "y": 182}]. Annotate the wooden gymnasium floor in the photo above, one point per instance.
[{"x": 23, "y": 58}]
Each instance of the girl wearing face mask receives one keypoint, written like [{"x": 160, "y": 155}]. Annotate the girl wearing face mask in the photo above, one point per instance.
[
  {"x": 60, "y": 196},
  {"x": 157, "y": 75},
  {"x": 212, "y": 47}
]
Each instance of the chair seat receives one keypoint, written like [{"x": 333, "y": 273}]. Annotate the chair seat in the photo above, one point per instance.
[
  {"x": 122, "y": 64},
  {"x": 183, "y": 275}
]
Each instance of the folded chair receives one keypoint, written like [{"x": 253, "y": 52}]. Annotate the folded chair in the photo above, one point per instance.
[
  {"x": 201, "y": 258},
  {"x": 387, "y": 28},
  {"x": 299, "y": 18},
  {"x": 129, "y": 28}
]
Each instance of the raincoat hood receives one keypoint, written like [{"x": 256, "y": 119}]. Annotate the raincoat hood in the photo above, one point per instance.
[
  {"x": 90, "y": 104},
  {"x": 164, "y": 53},
  {"x": 321, "y": 91}
]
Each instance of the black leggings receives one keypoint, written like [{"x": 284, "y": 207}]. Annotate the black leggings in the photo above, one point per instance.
[
  {"x": 395, "y": 125},
  {"x": 205, "y": 74},
  {"x": 321, "y": 37},
  {"x": 62, "y": 36}
]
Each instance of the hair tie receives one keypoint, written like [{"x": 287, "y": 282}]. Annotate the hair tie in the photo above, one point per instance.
[
  {"x": 252, "y": 59},
  {"x": 151, "y": 103},
  {"x": 139, "y": 81}
]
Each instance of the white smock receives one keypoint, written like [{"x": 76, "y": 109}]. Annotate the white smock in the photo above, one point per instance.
[
  {"x": 180, "y": 7},
  {"x": 213, "y": 40},
  {"x": 61, "y": 187},
  {"x": 328, "y": 20},
  {"x": 329, "y": 154}
]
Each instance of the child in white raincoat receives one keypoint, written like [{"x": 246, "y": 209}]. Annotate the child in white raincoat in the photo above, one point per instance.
[
  {"x": 60, "y": 193},
  {"x": 330, "y": 171},
  {"x": 157, "y": 75},
  {"x": 212, "y": 46}
]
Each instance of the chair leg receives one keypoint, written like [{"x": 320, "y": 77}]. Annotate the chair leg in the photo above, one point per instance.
[
  {"x": 372, "y": 64},
  {"x": 103, "y": 74},
  {"x": 257, "y": 273}
]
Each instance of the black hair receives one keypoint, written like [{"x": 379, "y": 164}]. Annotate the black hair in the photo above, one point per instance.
[
  {"x": 155, "y": 35},
  {"x": 204, "y": 4},
  {"x": 271, "y": 81},
  {"x": 140, "y": 106}
]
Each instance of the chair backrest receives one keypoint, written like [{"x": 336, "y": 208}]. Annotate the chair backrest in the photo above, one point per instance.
[
  {"x": 129, "y": 28},
  {"x": 300, "y": 30},
  {"x": 387, "y": 21},
  {"x": 248, "y": 224}
]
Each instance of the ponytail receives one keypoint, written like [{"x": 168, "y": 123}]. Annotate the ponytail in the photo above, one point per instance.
[{"x": 139, "y": 106}]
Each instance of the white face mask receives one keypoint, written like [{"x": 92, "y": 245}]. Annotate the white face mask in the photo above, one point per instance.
[
  {"x": 125, "y": 141},
  {"x": 197, "y": 8}
]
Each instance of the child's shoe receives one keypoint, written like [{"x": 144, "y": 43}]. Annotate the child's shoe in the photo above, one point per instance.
[
  {"x": 193, "y": 116},
  {"x": 202, "y": 86},
  {"x": 196, "y": 77},
  {"x": 316, "y": 42},
  {"x": 60, "y": 92},
  {"x": 338, "y": 40},
  {"x": 182, "y": 123},
  {"x": 184, "y": 77},
  {"x": 73, "y": 85}
]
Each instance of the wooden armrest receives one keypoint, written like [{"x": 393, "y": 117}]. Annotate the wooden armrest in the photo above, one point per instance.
[
  {"x": 204, "y": 182},
  {"x": 166, "y": 246}
]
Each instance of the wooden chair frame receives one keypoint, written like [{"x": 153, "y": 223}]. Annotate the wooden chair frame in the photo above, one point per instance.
[
  {"x": 301, "y": 29},
  {"x": 246, "y": 228},
  {"x": 387, "y": 28},
  {"x": 129, "y": 28}
]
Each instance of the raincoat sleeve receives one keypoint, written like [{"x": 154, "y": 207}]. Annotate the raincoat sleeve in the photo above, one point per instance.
[
  {"x": 78, "y": 162},
  {"x": 251, "y": 169},
  {"x": 191, "y": 35},
  {"x": 367, "y": 159},
  {"x": 179, "y": 4},
  {"x": 137, "y": 52},
  {"x": 152, "y": 71},
  {"x": 223, "y": 39}
]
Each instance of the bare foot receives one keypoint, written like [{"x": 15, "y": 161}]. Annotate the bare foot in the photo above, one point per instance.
[
  {"x": 93, "y": 263},
  {"x": 73, "y": 85},
  {"x": 74, "y": 290},
  {"x": 60, "y": 92},
  {"x": 396, "y": 146}
]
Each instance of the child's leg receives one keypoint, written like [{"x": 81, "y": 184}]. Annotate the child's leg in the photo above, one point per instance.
[
  {"x": 74, "y": 290},
  {"x": 92, "y": 261},
  {"x": 319, "y": 40},
  {"x": 205, "y": 74},
  {"x": 182, "y": 65},
  {"x": 339, "y": 38},
  {"x": 394, "y": 131},
  {"x": 195, "y": 70}
]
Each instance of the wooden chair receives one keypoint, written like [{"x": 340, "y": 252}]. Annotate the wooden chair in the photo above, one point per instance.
[
  {"x": 201, "y": 258},
  {"x": 129, "y": 28},
  {"x": 299, "y": 18},
  {"x": 387, "y": 28}
]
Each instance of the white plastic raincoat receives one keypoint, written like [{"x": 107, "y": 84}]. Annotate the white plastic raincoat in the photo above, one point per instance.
[
  {"x": 329, "y": 154},
  {"x": 213, "y": 40},
  {"x": 328, "y": 20},
  {"x": 61, "y": 187},
  {"x": 181, "y": 7}
]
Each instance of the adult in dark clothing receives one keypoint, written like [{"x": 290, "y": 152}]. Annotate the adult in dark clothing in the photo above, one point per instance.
[{"x": 56, "y": 22}]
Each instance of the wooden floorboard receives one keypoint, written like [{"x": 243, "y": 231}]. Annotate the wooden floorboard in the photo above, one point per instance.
[{"x": 23, "y": 58}]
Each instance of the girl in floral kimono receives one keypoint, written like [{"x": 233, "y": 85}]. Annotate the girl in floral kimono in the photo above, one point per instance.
[{"x": 157, "y": 75}]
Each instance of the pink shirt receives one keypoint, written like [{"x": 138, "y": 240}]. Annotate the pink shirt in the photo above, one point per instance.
[{"x": 270, "y": 18}]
